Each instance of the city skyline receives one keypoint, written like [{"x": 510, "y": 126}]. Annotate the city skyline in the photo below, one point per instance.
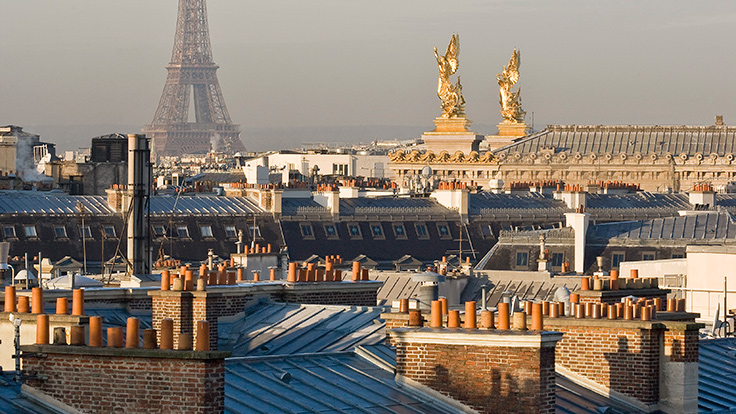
[{"x": 328, "y": 68}]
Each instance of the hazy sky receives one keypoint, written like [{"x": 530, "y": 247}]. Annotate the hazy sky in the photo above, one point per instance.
[{"x": 337, "y": 63}]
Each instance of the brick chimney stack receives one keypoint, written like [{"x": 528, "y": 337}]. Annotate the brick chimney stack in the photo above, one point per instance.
[{"x": 490, "y": 371}]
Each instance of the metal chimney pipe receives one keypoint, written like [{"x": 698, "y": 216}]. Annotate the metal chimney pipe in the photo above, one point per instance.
[{"x": 139, "y": 191}]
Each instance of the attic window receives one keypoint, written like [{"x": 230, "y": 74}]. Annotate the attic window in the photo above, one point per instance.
[
  {"x": 354, "y": 231},
  {"x": 182, "y": 231},
  {"x": 9, "y": 232},
  {"x": 30, "y": 231},
  {"x": 159, "y": 230},
  {"x": 307, "y": 231},
  {"x": 444, "y": 230},
  {"x": 109, "y": 230},
  {"x": 487, "y": 231},
  {"x": 377, "y": 231},
  {"x": 230, "y": 232},
  {"x": 331, "y": 231},
  {"x": 60, "y": 232},
  {"x": 254, "y": 231},
  {"x": 421, "y": 229},
  {"x": 399, "y": 231},
  {"x": 206, "y": 231},
  {"x": 86, "y": 232}
]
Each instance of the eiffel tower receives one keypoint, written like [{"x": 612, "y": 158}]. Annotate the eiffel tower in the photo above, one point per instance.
[{"x": 192, "y": 75}]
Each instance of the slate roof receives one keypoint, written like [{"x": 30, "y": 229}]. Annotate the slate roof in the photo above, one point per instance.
[
  {"x": 717, "y": 376},
  {"x": 393, "y": 205},
  {"x": 268, "y": 328},
  {"x": 629, "y": 139},
  {"x": 524, "y": 289},
  {"x": 702, "y": 226},
  {"x": 294, "y": 206},
  {"x": 660, "y": 201}
]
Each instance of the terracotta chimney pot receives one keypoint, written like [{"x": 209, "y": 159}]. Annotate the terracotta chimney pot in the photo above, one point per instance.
[
  {"x": 272, "y": 275},
  {"x": 415, "y": 318},
  {"x": 545, "y": 308},
  {"x": 356, "y": 271},
  {"x": 453, "y": 319},
  {"x": 62, "y": 305},
  {"x": 95, "y": 331},
  {"x": 78, "y": 302},
  {"x": 37, "y": 300},
  {"x": 185, "y": 342},
  {"x": 149, "y": 338},
  {"x": 436, "y": 314},
  {"x": 503, "y": 316},
  {"x": 23, "y": 304},
  {"x": 486, "y": 319},
  {"x": 404, "y": 305},
  {"x": 537, "y": 317},
  {"x": 291, "y": 276},
  {"x": 115, "y": 337},
  {"x": 445, "y": 306},
  {"x": 9, "y": 298},
  {"x": 165, "y": 280},
  {"x": 554, "y": 310},
  {"x": 203, "y": 336},
  {"x": 201, "y": 284},
  {"x": 42, "y": 329},
  {"x": 470, "y": 315},
  {"x": 338, "y": 275},
  {"x": 167, "y": 334},
  {"x": 76, "y": 335},
  {"x": 585, "y": 284},
  {"x": 240, "y": 274},
  {"x": 520, "y": 321}
]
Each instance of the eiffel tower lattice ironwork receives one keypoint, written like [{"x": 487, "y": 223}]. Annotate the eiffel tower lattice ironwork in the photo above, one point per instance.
[{"x": 192, "y": 75}]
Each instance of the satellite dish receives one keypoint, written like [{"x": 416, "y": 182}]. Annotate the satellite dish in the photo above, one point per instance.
[{"x": 426, "y": 171}]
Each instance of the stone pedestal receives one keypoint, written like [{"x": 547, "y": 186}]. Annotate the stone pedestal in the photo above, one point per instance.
[
  {"x": 451, "y": 135},
  {"x": 508, "y": 133}
]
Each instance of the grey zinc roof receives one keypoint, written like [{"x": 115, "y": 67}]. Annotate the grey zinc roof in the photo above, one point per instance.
[
  {"x": 267, "y": 328},
  {"x": 51, "y": 203},
  {"x": 294, "y": 206},
  {"x": 638, "y": 200},
  {"x": 717, "y": 375},
  {"x": 524, "y": 289},
  {"x": 717, "y": 225},
  {"x": 205, "y": 205},
  {"x": 629, "y": 139},
  {"x": 325, "y": 383},
  {"x": 487, "y": 202},
  {"x": 12, "y": 401},
  {"x": 392, "y": 205}
]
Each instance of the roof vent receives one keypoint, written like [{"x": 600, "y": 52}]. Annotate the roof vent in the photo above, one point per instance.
[{"x": 285, "y": 377}]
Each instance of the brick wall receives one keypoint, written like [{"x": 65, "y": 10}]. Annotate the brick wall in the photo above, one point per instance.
[
  {"x": 347, "y": 298},
  {"x": 209, "y": 307},
  {"x": 620, "y": 355},
  {"x": 615, "y": 296},
  {"x": 489, "y": 371},
  {"x": 681, "y": 342},
  {"x": 106, "y": 380},
  {"x": 176, "y": 306}
]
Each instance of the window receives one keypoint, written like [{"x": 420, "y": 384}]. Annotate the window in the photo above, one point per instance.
[
  {"x": 254, "y": 231},
  {"x": 444, "y": 230},
  {"x": 399, "y": 231},
  {"x": 306, "y": 230},
  {"x": 60, "y": 232},
  {"x": 354, "y": 231},
  {"x": 522, "y": 259},
  {"x": 109, "y": 230},
  {"x": 159, "y": 230},
  {"x": 340, "y": 169},
  {"x": 230, "y": 232},
  {"x": 486, "y": 231},
  {"x": 206, "y": 231},
  {"x": 557, "y": 259},
  {"x": 86, "y": 232},
  {"x": 9, "y": 232},
  {"x": 182, "y": 231},
  {"x": 421, "y": 229},
  {"x": 648, "y": 256},
  {"x": 331, "y": 231},
  {"x": 30, "y": 230},
  {"x": 377, "y": 230},
  {"x": 678, "y": 255},
  {"x": 617, "y": 258}
]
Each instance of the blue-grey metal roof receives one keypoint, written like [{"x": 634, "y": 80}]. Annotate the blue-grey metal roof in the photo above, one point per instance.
[
  {"x": 204, "y": 205},
  {"x": 392, "y": 205},
  {"x": 628, "y": 139},
  {"x": 51, "y": 203},
  {"x": 487, "y": 203},
  {"x": 327, "y": 384},
  {"x": 294, "y": 206},
  {"x": 268, "y": 328},
  {"x": 524, "y": 289},
  {"x": 716, "y": 225},
  {"x": 12, "y": 401},
  {"x": 717, "y": 376},
  {"x": 640, "y": 199},
  {"x": 575, "y": 399}
]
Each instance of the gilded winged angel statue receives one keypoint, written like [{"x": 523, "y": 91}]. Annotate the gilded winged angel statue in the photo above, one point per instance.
[
  {"x": 510, "y": 101},
  {"x": 453, "y": 103}
]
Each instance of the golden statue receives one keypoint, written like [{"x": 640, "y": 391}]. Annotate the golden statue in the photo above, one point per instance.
[
  {"x": 453, "y": 103},
  {"x": 510, "y": 101}
]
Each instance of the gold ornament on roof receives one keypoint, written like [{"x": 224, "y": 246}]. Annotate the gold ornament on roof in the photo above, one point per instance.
[
  {"x": 510, "y": 101},
  {"x": 451, "y": 95}
]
